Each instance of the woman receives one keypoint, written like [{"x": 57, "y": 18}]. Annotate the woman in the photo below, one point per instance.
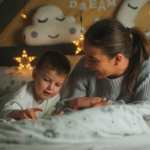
[{"x": 114, "y": 70}]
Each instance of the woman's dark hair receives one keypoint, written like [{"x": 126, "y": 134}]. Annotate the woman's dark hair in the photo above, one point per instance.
[
  {"x": 56, "y": 61},
  {"x": 113, "y": 38}
]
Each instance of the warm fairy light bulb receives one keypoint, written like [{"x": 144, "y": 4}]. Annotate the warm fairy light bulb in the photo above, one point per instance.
[{"x": 23, "y": 16}]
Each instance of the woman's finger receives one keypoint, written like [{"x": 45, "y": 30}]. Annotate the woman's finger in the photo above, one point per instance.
[
  {"x": 59, "y": 113},
  {"x": 72, "y": 103},
  {"x": 96, "y": 100},
  {"x": 102, "y": 104}
]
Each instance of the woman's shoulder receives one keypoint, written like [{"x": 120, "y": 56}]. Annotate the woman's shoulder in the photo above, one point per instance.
[
  {"x": 146, "y": 67},
  {"x": 145, "y": 70}
]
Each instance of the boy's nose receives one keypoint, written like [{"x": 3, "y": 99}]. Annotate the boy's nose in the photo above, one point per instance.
[{"x": 50, "y": 87}]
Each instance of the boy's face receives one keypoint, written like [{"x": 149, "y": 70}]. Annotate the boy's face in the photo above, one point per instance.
[{"x": 47, "y": 84}]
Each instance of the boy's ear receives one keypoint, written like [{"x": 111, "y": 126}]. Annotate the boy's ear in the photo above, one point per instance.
[{"x": 34, "y": 73}]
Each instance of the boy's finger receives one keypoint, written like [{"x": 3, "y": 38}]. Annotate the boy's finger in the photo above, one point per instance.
[
  {"x": 36, "y": 117},
  {"x": 31, "y": 115},
  {"x": 37, "y": 109},
  {"x": 25, "y": 116}
]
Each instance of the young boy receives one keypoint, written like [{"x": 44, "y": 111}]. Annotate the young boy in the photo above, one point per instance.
[{"x": 37, "y": 99}]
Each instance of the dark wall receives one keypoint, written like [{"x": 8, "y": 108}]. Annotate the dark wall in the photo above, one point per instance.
[
  {"x": 7, "y": 53},
  {"x": 8, "y": 10}
]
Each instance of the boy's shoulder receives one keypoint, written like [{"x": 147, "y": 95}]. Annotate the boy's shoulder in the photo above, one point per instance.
[{"x": 25, "y": 91}]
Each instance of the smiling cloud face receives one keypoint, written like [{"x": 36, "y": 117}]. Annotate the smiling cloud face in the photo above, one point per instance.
[{"x": 50, "y": 27}]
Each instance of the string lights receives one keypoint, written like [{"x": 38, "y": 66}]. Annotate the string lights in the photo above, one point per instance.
[
  {"x": 24, "y": 61},
  {"x": 79, "y": 43},
  {"x": 23, "y": 14}
]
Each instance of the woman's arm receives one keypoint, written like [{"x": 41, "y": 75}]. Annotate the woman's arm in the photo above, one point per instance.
[{"x": 76, "y": 86}]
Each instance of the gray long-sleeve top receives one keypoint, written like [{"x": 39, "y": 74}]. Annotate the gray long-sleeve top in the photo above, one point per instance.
[{"x": 83, "y": 83}]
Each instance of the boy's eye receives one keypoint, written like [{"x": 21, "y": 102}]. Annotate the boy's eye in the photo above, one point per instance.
[
  {"x": 57, "y": 84},
  {"x": 45, "y": 79}
]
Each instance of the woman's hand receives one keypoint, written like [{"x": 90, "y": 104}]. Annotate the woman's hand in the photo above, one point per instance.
[
  {"x": 24, "y": 114},
  {"x": 59, "y": 113},
  {"x": 87, "y": 102}
]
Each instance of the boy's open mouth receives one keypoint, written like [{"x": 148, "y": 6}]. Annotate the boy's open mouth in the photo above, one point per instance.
[{"x": 47, "y": 94}]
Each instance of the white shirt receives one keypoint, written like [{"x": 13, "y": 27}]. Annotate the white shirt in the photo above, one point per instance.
[{"x": 24, "y": 99}]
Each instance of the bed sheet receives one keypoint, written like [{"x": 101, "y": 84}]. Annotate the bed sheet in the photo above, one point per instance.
[
  {"x": 134, "y": 142},
  {"x": 104, "y": 127}
]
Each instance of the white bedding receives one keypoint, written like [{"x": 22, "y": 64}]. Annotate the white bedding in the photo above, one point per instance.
[
  {"x": 111, "y": 127},
  {"x": 133, "y": 142}
]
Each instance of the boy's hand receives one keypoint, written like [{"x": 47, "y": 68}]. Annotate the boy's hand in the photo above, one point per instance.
[
  {"x": 24, "y": 114},
  {"x": 59, "y": 113},
  {"x": 29, "y": 113}
]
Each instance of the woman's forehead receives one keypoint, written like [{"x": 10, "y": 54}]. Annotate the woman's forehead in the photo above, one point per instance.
[{"x": 92, "y": 50}]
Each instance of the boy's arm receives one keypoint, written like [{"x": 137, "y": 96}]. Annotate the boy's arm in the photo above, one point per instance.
[
  {"x": 14, "y": 114},
  {"x": 8, "y": 107}
]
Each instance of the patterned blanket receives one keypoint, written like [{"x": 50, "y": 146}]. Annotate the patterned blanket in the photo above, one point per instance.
[{"x": 84, "y": 126}]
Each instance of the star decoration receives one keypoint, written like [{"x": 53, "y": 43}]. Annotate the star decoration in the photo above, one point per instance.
[
  {"x": 23, "y": 16},
  {"x": 79, "y": 43},
  {"x": 24, "y": 61}
]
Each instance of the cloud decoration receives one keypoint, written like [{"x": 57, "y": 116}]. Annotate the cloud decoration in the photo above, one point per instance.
[
  {"x": 50, "y": 27},
  {"x": 128, "y": 12}
]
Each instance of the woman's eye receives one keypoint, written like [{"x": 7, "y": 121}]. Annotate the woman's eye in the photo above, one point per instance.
[
  {"x": 60, "y": 19},
  {"x": 93, "y": 60},
  {"x": 42, "y": 21}
]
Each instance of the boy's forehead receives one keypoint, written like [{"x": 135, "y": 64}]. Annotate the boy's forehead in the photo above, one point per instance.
[{"x": 49, "y": 71}]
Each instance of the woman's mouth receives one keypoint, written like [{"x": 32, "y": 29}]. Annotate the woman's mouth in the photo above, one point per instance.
[
  {"x": 47, "y": 94},
  {"x": 95, "y": 71}
]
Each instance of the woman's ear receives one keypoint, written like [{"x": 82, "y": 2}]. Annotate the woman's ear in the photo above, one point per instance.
[
  {"x": 118, "y": 59},
  {"x": 34, "y": 73}
]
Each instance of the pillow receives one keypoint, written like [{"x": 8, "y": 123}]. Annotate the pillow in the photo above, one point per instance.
[{"x": 12, "y": 78}]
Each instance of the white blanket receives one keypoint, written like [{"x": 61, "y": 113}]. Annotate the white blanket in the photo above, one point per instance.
[{"x": 89, "y": 125}]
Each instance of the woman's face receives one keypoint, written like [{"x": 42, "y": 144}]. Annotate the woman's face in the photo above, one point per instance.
[{"x": 101, "y": 65}]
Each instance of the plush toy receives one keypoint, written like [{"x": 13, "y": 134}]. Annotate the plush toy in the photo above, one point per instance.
[
  {"x": 50, "y": 27},
  {"x": 128, "y": 12}
]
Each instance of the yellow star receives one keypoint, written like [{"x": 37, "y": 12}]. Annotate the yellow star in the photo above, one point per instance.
[
  {"x": 79, "y": 43},
  {"x": 24, "y": 61}
]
